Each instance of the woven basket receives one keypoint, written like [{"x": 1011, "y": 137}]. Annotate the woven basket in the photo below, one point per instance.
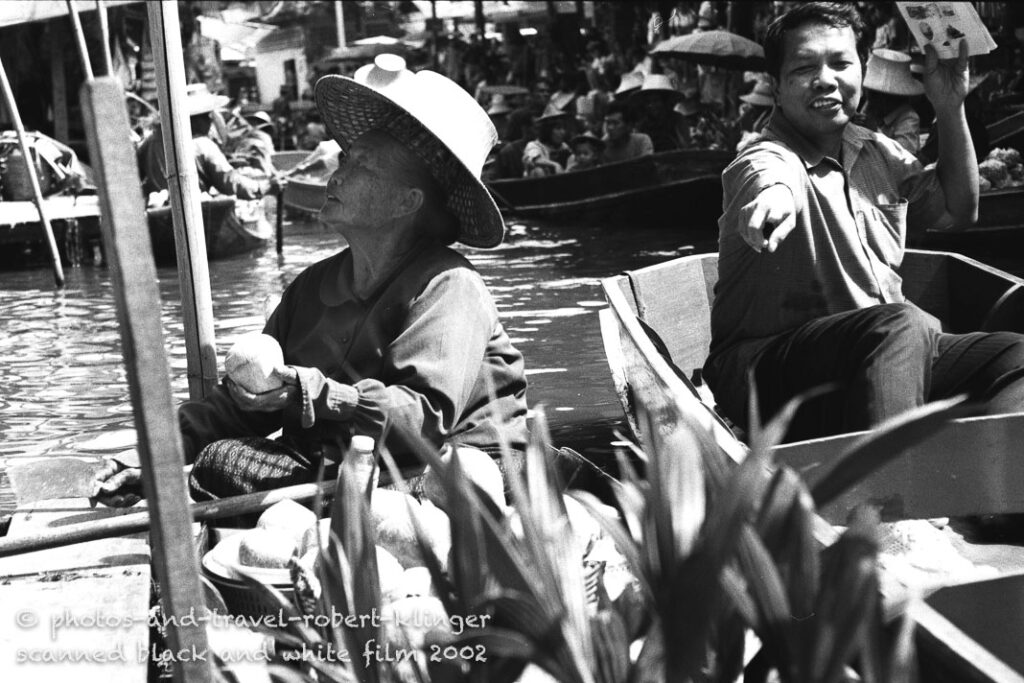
[{"x": 242, "y": 600}]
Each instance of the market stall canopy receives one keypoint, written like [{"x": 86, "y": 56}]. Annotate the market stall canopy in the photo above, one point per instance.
[
  {"x": 714, "y": 48},
  {"x": 14, "y": 12},
  {"x": 237, "y": 40},
  {"x": 493, "y": 11}
]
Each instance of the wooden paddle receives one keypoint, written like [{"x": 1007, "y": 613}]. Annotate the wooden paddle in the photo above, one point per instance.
[{"x": 135, "y": 522}]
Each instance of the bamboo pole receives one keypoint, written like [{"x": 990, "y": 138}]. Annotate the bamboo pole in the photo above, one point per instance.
[
  {"x": 183, "y": 187},
  {"x": 83, "y": 51},
  {"x": 138, "y": 310},
  {"x": 101, "y": 12},
  {"x": 135, "y": 522},
  {"x": 37, "y": 193}
]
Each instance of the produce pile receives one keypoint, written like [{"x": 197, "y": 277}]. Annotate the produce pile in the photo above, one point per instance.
[
  {"x": 288, "y": 538},
  {"x": 1001, "y": 169}
]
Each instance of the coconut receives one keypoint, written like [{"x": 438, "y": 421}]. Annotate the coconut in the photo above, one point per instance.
[
  {"x": 389, "y": 575},
  {"x": 416, "y": 581},
  {"x": 265, "y": 548},
  {"x": 309, "y": 537},
  {"x": 415, "y": 621},
  {"x": 478, "y": 467},
  {"x": 289, "y": 517},
  {"x": 251, "y": 361},
  {"x": 392, "y": 518}
]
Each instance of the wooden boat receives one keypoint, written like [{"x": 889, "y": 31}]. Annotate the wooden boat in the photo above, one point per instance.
[
  {"x": 674, "y": 300},
  {"x": 232, "y": 227},
  {"x": 1000, "y": 224},
  {"x": 970, "y": 466},
  {"x": 652, "y": 189},
  {"x": 75, "y": 222}
]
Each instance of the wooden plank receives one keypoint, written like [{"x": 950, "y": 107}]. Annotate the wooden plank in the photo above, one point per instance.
[
  {"x": 138, "y": 312},
  {"x": 57, "y": 207},
  {"x": 972, "y": 466},
  {"x": 49, "y": 595},
  {"x": 184, "y": 195}
]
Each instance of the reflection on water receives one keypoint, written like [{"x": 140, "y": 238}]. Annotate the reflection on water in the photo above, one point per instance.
[{"x": 63, "y": 389}]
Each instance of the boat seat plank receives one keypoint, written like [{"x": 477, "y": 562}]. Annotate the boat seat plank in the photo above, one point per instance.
[
  {"x": 58, "y": 207},
  {"x": 107, "y": 579}
]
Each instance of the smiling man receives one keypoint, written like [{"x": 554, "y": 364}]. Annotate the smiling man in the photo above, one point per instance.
[{"x": 816, "y": 214}]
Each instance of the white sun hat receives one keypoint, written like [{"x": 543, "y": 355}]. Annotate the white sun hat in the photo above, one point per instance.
[
  {"x": 888, "y": 71},
  {"x": 201, "y": 101},
  {"x": 435, "y": 118}
]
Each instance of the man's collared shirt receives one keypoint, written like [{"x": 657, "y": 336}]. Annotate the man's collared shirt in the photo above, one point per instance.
[{"x": 844, "y": 254}]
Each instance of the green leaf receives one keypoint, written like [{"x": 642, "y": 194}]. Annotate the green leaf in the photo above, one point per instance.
[
  {"x": 769, "y": 594},
  {"x": 886, "y": 443}
]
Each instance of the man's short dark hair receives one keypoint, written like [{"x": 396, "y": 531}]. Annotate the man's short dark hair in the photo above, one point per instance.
[
  {"x": 620, "y": 107},
  {"x": 834, "y": 14}
]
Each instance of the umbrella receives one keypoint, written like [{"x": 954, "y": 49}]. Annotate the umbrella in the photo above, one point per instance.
[
  {"x": 714, "y": 48},
  {"x": 504, "y": 89}
]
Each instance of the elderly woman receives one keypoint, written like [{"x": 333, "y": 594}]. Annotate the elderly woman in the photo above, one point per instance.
[{"x": 395, "y": 336}]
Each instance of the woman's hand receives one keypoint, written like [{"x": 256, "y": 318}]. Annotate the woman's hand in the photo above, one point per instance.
[
  {"x": 117, "y": 485},
  {"x": 267, "y": 401}
]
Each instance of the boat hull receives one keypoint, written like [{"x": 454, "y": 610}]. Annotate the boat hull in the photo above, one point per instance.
[{"x": 231, "y": 227}]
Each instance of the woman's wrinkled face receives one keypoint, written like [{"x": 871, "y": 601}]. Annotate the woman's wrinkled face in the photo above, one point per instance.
[
  {"x": 365, "y": 190},
  {"x": 819, "y": 86}
]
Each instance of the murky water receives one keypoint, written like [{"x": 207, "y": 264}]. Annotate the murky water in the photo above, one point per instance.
[{"x": 63, "y": 389}]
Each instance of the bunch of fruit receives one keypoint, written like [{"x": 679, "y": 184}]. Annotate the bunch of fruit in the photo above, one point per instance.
[{"x": 1001, "y": 169}]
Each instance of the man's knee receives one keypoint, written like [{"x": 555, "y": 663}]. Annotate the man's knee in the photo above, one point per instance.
[{"x": 904, "y": 326}]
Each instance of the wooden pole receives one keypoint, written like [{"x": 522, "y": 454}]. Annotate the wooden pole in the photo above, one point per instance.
[
  {"x": 135, "y": 522},
  {"x": 58, "y": 80},
  {"x": 37, "y": 193},
  {"x": 183, "y": 187},
  {"x": 83, "y": 51},
  {"x": 101, "y": 12},
  {"x": 339, "y": 20},
  {"x": 138, "y": 310}
]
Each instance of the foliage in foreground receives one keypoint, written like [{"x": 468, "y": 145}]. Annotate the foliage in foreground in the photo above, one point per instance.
[{"x": 716, "y": 550}]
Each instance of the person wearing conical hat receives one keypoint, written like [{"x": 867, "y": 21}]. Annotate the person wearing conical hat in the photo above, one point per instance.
[
  {"x": 548, "y": 153},
  {"x": 889, "y": 88},
  {"x": 254, "y": 144},
  {"x": 396, "y": 336},
  {"x": 499, "y": 110},
  {"x": 654, "y": 105},
  {"x": 215, "y": 171}
]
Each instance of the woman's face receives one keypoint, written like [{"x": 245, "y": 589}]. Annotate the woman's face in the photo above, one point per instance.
[
  {"x": 364, "y": 192},
  {"x": 558, "y": 133}
]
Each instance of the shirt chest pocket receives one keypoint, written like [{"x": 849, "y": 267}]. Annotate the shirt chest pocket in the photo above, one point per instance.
[{"x": 889, "y": 230}]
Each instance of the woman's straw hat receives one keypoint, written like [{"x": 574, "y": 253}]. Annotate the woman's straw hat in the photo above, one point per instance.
[
  {"x": 761, "y": 95},
  {"x": 552, "y": 113},
  {"x": 202, "y": 101},
  {"x": 657, "y": 84},
  {"x": 888, "y": 71},
  {"x": 435, "y": 118},
  {"x": 587, "y": 137},
  {"x": 498, "y": 105},
  {"x": 259, "y": 119},
  {"x": 629, "y": 82}
]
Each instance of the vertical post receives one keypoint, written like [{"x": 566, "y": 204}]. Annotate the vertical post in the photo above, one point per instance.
[
  {"x": 339, "y": 20},
  {"x": 183, "y": 188},
  {"x": 59, "y": 81},
  {"x": 101, "y": 12},
  {"x": 37, "y": 193},
  {"x": 138, "y": 311},
  {"x": 478, "y": 16},
  {"x": 83, "y": 51},
  {"x": 433, "y": 28}
]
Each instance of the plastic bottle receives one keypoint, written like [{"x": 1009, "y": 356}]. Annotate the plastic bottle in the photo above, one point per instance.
[{"x": 360, "y": 453}]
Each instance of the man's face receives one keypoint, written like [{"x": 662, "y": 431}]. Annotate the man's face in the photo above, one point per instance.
[
  {"x": 615, "y": 126},
  {"x": 820, "y": 80},
  {"x": 363, "y": 192}
]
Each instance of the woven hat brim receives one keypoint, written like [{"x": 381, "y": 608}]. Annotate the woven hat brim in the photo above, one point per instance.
[
  {"x": 350, "y": 109},
  {"x": 904, "y": 89}
]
